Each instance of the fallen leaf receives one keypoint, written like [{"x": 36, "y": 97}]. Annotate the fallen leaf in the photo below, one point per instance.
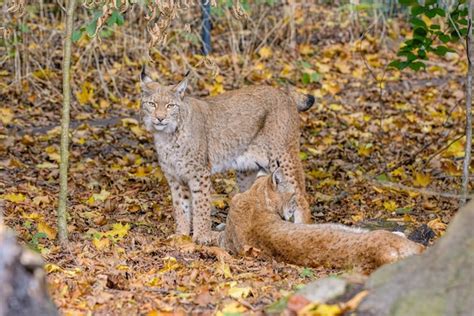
[
  {"x": 48, "y": 230},
  {"x": 421, "y": 179},
  {"x": 14, "y": 197},
  {"x": 239, "y": 292}
]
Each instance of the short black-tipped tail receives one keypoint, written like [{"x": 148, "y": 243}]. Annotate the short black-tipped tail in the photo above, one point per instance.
[
  {"x": 304, "y": 106},
  {"x": 303, "y": 101}
]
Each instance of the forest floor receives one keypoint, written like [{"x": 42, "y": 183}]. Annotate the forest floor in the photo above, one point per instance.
[{"x": 380, "y": 148}]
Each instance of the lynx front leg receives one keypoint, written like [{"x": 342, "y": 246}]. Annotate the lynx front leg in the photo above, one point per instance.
[
  {"x": 245, "y": 179},
  {"x": 182, "y": 207},
  {"x": 201, "y": 204},
  {"x": 293, "y": 171}
]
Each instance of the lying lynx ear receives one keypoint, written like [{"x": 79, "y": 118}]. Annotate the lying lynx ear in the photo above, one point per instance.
[
  {"x": 277, "y": 176},
  {"x": 180, "y": 88}
]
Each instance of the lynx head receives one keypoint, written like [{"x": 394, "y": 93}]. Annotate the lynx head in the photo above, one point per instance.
[
  {"x": 279, "y": 193},
  {"x": 161, "y": 106}
]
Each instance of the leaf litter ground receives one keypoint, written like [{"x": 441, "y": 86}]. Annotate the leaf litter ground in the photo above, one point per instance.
[{"x": 381, "y": 149}]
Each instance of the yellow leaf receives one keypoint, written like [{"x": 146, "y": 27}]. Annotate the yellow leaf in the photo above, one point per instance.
[
  {"x": 320, "y": 310},
  {"x": 137, "y": 130},
  {"x": 390, "y": 205},
  {"x": 224, "y": 269},
  {"x": 51, "y": 267},
  {"x": 239, "y": 292},
  {"x": 332, "y": 87},
  {"x": 129, "y": 121},
  {"x": 265, "y": 52},
  {"x": 101, "y": 243},
  {"x": 14, "y": 197},
  {"x": 86, "y": 94},
  {"x": 365, "y": 150},
  {"x": 6, "y": 115},
  {"x": 305, "y": 49},
  {"x": 233, "y": 308},
  {"x": 456, "y": 149},
  {"x": 141, "y": 172},
  {"x": 437, "y": 225},
  {"x": 118, "y": 231},
  {"x": 219, "y": 203},
  {"x": 336, "y": 107},
  {"x": 170, "y": 263},
  {"x": 33, "y": 216},
  {"x": 102, "y": 196},
  {"x": 46, "y": 229},
  {"x": 422, "y": 179},
  {"x": 399, "y": 172},
  {"x": 47, "y": 165}
]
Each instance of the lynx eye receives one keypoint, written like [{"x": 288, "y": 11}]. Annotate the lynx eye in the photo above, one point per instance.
[
  {"x": 150, "y": 104},
  {"x": 170, "y": 105}
]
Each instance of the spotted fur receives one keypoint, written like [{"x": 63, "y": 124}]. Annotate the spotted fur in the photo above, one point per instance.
[
  {"x": 255, "y": 220},
  {"x": 195, "y": 138}
]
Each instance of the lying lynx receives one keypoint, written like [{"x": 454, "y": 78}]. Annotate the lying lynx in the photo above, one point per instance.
[
  {"x": 255, "y": 220},
  {"x": 195, "y": 138}
]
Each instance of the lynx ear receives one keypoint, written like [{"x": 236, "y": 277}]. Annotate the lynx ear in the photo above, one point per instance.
[
  {"x": 144, "y": 78},
  {"x": 180, "y": 88},
  {"x": 277, "y": 177}
]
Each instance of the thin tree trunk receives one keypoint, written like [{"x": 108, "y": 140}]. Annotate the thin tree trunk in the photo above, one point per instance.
[
  {"x": 63, "y": 166},
  {"x": 470, "y": 71}
]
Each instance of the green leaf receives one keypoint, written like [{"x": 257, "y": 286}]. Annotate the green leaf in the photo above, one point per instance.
[
  {"x": 382, "y": 177},
  {"x": 435, "y": 27},
  {"x": 76, "y": 35},
  {"x": 444, "y": 38},
  {"x": 408, "y": 2},
  {"x": 417, "y": 65},
  {"x": 90, "y": 28},
  {"x": 418, "y": 9},
  {"x": 421, "y": 32},
  {"x": 418, "y": 22},
  {"x": 306, "y": 273},
  {"x": 441, "y": 50}
]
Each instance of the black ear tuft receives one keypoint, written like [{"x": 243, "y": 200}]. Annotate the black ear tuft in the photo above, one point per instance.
[
  {"x": 143, "y": 73},
  {"x": 144, "y": 78}
]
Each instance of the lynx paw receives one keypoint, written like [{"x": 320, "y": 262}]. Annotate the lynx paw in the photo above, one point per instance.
[{"x": 209, "y": 239}]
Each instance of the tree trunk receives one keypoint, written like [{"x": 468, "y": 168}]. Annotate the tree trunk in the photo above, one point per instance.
[
  {"x": 63, "y": 166},
  {"x": 438, "y": 282},
  {"x": 23, "y": 289},
  {"x": 470, "y": 70}
]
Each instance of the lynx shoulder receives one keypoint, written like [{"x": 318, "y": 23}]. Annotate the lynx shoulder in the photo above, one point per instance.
[
  {"x": 195, "y": 138},
  {"x": 255, "y": 220}
]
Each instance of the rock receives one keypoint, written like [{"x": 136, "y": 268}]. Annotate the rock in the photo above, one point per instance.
[
  {"x": 323, "y": 290},
  {"x": 23, "y": 281},
  {"x": 438, "y": 282}
]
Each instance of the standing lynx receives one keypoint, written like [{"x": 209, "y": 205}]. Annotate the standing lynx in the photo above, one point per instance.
[
  {"x": 195, "y": 138},
  {"x": 254, "y": 220}
]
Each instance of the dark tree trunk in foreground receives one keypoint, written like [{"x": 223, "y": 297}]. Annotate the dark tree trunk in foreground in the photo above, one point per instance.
[{"x": 22, "y": 280}]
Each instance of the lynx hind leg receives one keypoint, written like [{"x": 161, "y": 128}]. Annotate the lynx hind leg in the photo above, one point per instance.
[
  {"x": 293, "y": 171},
  {"x": 182, "y": 207},
  {"x": 245, "y": 179}
]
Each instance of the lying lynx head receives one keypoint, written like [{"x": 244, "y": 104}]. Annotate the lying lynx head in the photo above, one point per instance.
[
  {"x": 279, "y": 193},
  {"x": 161, "y": 106}
]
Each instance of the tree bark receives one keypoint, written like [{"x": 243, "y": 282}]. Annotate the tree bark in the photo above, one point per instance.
[
  {"x": 470, "y": 71},
  {"x": 63, "y": 166},
  {"x": 23, "y": 289}
]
